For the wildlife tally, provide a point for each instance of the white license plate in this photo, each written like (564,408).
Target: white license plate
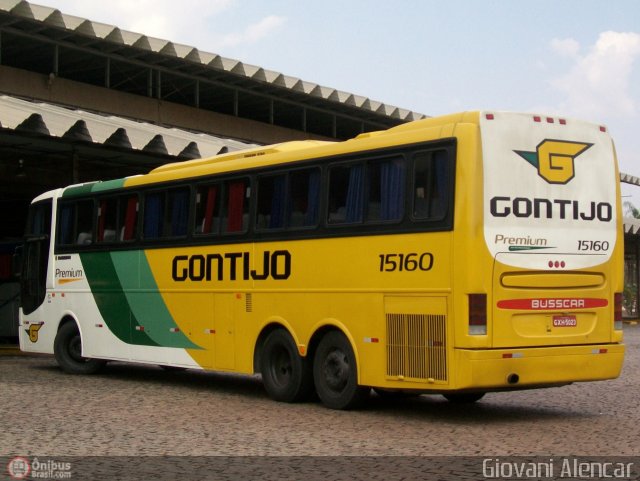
(565,321)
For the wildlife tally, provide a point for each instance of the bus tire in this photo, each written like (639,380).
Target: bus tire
(464,397)
(67,348)
(167,368)
(286,375)
(335,373)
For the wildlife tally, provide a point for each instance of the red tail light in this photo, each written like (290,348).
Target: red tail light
(477,314)
(617,311)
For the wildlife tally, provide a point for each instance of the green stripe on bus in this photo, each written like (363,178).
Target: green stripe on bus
(111,300)
(108,185)
(78,190)
(93,187)
(146,303)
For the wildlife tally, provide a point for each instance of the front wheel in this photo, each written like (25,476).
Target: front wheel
(335,373)
(67,348)
(286,375)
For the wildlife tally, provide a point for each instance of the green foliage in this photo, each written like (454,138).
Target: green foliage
(631,210)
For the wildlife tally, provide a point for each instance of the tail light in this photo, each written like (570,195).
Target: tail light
(617,311)
(477,314)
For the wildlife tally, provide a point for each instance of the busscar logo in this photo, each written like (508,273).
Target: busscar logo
(554,159)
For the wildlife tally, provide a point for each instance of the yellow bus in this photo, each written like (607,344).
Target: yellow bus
(458,255)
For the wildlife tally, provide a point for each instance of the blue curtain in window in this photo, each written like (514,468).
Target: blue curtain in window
(66,225)
(38,222)
(313,198)
(278,201)
(355,194)
(439,185)
(392,190)
(179,211)
(153,216)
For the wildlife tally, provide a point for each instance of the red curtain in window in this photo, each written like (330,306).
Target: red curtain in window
(101,220)
(209,209)
(236,206)
(130,219)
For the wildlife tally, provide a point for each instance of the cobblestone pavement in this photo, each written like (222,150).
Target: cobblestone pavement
(132,410)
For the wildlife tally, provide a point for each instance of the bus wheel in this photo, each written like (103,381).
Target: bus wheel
(285,374)
(464,397)
(335,373)
(67,348)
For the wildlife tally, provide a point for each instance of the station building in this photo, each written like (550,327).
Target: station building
(81,101)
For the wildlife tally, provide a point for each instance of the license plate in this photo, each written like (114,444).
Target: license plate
(565,321)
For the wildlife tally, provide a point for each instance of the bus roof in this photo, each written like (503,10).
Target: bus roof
(294,151)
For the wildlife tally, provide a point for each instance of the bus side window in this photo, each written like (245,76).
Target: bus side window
(153,219)
(207,217)
(66,224)
(386,186)
(272,201)
(237,206)
(177,212)
(430,190)
(107,220)
(346,194)
(84,223)
(39,223)
(128,217)
(304,186)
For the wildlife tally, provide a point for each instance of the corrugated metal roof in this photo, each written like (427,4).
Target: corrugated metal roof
(53,120)
(111,33)
(629,179)
(631,226)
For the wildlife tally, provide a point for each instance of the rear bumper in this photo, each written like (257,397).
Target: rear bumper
(531,367)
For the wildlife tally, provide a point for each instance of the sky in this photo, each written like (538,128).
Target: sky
(575,58)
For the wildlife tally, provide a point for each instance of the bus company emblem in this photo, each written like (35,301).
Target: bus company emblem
(33,331)
(554,159)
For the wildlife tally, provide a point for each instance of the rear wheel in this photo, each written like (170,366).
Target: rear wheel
(67,348)
(335,373)
(286,375)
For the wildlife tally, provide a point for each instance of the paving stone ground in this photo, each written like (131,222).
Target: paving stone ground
(132,410)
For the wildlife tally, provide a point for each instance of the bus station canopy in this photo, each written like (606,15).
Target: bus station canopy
(44,119)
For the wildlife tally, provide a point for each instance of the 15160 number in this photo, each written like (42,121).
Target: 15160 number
(406,262)
(594,246)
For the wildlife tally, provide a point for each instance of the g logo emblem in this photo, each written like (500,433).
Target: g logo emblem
(554,159)
(33,332)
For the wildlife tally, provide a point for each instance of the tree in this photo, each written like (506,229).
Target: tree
(631,210)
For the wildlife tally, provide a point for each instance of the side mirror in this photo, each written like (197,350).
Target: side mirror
(16,262)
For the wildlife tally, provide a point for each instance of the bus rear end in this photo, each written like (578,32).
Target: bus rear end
(552,225)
